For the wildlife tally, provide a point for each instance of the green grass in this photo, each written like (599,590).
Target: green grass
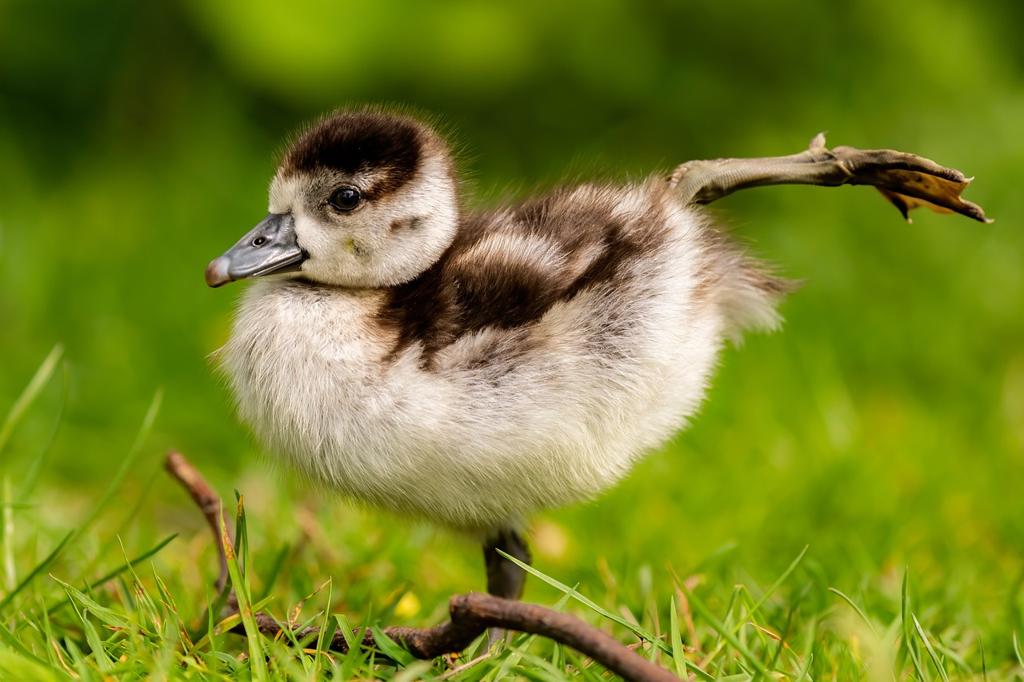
(83,606)
(848,503)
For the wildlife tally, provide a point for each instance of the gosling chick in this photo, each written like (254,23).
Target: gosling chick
(474,367)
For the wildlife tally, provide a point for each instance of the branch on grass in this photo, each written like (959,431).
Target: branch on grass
(207,500)
(471,614)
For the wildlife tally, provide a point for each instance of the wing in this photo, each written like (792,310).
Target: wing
(507,268)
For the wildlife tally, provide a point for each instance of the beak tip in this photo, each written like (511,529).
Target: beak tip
(217,272)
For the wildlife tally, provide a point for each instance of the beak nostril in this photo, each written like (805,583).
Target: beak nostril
(270,247)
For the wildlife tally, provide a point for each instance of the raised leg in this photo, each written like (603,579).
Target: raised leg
(504,578)
(906,180)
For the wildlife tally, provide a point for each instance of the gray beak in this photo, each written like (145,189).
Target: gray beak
(268,248)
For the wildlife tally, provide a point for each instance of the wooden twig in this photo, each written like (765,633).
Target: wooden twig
(209,504)
(471,615)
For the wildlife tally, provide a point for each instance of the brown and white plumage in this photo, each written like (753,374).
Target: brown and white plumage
(472,368)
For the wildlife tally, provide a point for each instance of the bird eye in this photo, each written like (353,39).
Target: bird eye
(345,198)
(259,241)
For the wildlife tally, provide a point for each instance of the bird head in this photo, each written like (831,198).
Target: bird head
(361,199)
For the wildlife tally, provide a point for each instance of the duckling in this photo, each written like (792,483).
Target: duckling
(472,368)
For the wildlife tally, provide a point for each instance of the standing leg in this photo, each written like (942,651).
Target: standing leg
(504,578)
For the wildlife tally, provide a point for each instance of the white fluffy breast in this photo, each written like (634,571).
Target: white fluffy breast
(563,409)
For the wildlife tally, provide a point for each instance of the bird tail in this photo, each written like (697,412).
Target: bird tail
(745,289)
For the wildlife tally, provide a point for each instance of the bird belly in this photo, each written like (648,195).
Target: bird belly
(558,414)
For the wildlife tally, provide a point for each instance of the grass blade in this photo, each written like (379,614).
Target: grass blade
(784,636)
(565,589)
(7,536)
(781,579)
(678,653)
(31,392)
(856,608)
(13,642)
(908,635)
(275,569)
(356,652)
(931,650)
(131,563)
(104,614)
(127,463)
(40,568)
(389,647)
(252,631)
(35,469)
(725,632)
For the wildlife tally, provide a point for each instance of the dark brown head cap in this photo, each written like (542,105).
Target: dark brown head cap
(391,146)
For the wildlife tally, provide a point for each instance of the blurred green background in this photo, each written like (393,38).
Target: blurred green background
(884,426)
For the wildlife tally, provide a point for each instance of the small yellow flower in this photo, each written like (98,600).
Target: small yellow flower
(550,539)
(408,606)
